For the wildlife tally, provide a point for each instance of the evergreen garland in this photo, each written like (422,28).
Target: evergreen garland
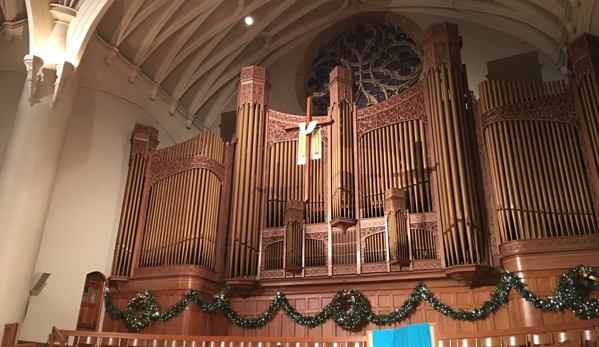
(350,309)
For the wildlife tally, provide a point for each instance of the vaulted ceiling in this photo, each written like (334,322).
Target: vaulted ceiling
(194,49)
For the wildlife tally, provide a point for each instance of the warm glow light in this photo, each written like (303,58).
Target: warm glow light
(52,54)
(248,20)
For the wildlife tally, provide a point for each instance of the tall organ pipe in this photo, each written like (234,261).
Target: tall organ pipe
(244,225)
(343,161)
(143,146)
(343,142)
(541,188)
(448,98)
(402,144)
(182,212)
(583,54)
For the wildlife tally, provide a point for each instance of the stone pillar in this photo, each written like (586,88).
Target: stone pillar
(27,176)
(28,170)
(245,216)
(451,119)
(583,54)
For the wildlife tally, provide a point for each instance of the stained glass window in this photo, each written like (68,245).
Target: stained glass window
(384,59)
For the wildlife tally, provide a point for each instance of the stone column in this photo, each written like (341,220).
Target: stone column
(27,176)
(28,170)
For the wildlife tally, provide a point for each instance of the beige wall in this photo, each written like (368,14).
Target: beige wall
(481,44)
(12,77)
(84,213)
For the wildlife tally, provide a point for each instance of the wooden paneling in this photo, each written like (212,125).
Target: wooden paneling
(387,297)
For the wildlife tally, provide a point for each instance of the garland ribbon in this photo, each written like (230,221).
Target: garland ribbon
(350,309)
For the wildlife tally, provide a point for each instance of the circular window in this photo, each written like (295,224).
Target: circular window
(384,58)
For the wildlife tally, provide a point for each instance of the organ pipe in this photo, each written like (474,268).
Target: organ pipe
(244,224)
(344,247)
(343,184)
(343,142)
(143,146)
(286,182)
(583,54)
(294,240)
(453,139)
(537,168)
(395,157)
(422,244)
(375,248)
(315,253)
(294,236)
(397,226)
(182,214)
(273,258)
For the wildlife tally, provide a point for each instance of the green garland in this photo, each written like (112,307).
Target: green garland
(350,309)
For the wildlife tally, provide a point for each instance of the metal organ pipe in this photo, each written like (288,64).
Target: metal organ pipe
(400,144)
(343,169)
(541,188)
(244,225)
(584,59)
(448,98)
(286,182)
(143,147)
(182,215)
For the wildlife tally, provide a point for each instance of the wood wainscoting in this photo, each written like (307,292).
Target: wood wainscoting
(168,290)
(385,296)
(310,296)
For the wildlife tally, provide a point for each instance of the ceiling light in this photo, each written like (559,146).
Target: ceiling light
(248,20)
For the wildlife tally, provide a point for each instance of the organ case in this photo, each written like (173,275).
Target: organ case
(430,180)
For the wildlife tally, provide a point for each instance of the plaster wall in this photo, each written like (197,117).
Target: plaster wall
(83,218)
(481,45)
(12,78)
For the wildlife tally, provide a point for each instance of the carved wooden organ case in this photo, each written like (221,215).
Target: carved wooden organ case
(431,179)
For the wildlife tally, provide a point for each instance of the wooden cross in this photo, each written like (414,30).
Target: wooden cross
(308,144)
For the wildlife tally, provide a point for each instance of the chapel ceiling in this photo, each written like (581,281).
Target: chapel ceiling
(195,49)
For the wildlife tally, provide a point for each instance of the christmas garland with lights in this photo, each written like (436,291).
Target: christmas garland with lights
(350,309)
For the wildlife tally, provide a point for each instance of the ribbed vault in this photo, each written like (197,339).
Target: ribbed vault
(195,49)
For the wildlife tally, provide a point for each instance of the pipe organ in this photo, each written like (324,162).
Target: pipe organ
(543,190)
(143,146)
(397,227)
(343,170)
(451,117)
(174,234)
(431,179)
(387,165)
